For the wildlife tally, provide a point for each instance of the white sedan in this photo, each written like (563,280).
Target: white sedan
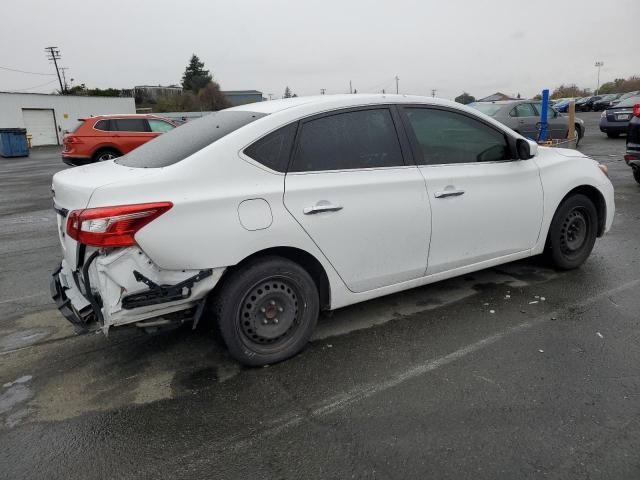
(262,215)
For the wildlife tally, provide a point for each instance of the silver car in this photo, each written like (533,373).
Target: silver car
(523,116)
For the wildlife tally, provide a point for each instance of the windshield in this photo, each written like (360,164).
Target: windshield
(176,145)
(487,108)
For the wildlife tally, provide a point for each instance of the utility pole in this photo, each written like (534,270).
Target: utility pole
(322,91)
(54,54)
(598,65)
(397,80)
(350,87)
(64,79)
(433,92)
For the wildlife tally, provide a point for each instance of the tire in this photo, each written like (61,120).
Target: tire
(248,305)
(106,154)
(580,134)
(572,233)
(636,174)
(613,134)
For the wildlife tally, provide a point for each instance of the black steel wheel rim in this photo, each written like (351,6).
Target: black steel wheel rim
(269,315)
(575,232)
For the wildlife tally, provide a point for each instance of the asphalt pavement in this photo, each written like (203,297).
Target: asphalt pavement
(513,372)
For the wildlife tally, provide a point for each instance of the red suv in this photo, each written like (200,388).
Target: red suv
(105,137)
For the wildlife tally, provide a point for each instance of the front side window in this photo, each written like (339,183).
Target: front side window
(274,149)
(130,125)
(445,137)
(347,141)
(160,126)
(523,110)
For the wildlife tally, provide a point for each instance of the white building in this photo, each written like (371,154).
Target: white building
(47,117)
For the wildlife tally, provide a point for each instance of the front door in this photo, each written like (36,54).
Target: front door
(484,205)
(352,192)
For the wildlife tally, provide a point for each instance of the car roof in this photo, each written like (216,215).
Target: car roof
(338,101)
(124,115)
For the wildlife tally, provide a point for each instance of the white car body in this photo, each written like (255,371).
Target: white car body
(393,232)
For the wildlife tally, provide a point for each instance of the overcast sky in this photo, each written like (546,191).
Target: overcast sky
(448,45)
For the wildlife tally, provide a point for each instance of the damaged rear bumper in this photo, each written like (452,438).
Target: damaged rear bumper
(124,287)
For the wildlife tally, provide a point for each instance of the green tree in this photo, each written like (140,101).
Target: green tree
(465,98)
(564,91)
(211,98)
(195,76)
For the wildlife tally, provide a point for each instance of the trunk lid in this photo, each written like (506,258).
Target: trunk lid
(72,190)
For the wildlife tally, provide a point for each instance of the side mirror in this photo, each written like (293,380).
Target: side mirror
(526,149)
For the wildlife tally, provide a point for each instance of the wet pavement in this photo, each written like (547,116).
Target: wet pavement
(513,372)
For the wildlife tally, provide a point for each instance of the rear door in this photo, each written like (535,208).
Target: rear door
(483,204)
(527,120)
(351,189)
(130,133)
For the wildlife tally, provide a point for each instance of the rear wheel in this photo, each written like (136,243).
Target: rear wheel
(105,154)
(613,134)
(573,232)
(636,174)
(267,311)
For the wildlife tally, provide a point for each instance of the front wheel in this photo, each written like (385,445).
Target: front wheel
(267,311)
(573,232)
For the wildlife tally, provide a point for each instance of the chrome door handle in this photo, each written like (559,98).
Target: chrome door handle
(322,206)
(449,193)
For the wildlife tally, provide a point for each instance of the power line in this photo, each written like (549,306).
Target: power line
(24,71)
(36,86)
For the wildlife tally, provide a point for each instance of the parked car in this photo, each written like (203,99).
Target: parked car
(563,106)
(625,96)
(605,101)
(586,104)
(105,137)
(273,211)
(632,157)
(523,116)
(615,120)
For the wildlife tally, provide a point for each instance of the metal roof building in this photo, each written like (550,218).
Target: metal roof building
(46,117)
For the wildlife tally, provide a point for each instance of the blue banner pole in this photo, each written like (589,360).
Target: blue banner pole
(543,116)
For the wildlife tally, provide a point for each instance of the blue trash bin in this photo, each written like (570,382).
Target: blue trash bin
(13,142)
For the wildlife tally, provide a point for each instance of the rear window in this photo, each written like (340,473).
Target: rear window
(176,145)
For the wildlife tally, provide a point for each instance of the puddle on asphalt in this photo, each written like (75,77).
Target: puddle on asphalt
(12,395)
(24,338)
(422,299)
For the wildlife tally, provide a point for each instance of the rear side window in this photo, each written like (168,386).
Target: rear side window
(350,140)
(445,137)
(523,110)
(103,125)
(180,143)
(130,124)
(273,150)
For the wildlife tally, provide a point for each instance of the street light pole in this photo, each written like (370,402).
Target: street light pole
(598,65)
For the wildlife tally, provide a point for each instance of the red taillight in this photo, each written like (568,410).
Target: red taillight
(636,109)
(71,139)
(113,226)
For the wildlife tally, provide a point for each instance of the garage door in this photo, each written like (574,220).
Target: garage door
(40,124)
